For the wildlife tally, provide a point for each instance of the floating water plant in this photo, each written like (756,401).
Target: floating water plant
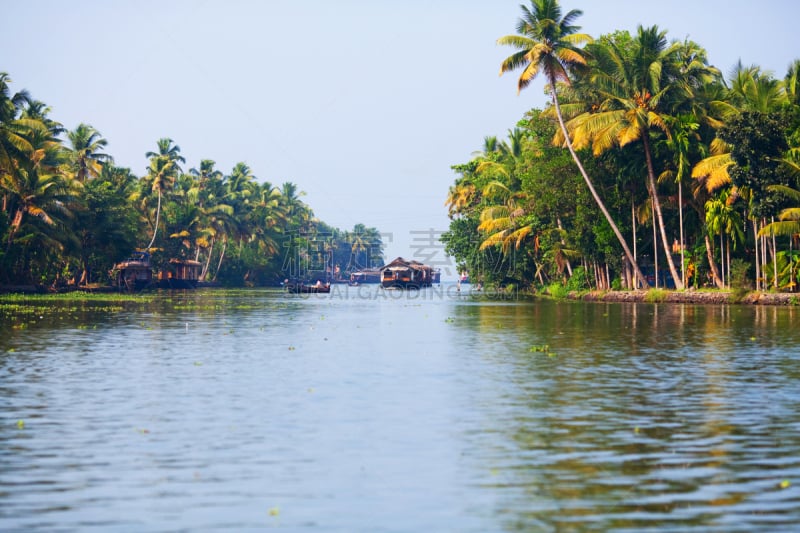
(542,348)
(20,424)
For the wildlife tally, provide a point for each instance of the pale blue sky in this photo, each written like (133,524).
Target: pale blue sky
(364,105)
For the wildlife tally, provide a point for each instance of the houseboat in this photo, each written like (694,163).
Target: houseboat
(180,274)
(402,274)
(133,274)
(372,275)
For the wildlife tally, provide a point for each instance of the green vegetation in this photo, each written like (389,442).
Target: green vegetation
(68,214)
(647,159)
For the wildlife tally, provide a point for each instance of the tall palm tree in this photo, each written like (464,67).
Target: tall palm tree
(161,173)
(547,42)
(643,85)
(86,158)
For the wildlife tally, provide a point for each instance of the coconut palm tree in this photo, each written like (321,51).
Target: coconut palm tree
(14,142)
(548,42)
(36,190)
(161,173)
(86,158)
(643,83)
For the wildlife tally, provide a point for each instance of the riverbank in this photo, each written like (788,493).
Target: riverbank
(690,297)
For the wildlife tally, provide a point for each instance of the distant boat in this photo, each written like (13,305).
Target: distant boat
(180,274)
(133,274)
(300,288)
(370,275)
(402,274)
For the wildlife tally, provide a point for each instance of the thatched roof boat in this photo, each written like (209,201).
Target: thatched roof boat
(403,274)
(133,274)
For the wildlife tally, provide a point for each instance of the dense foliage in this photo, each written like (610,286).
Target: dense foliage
(68,214)
(649,167)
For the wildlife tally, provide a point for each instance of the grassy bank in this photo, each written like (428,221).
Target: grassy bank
(690,297)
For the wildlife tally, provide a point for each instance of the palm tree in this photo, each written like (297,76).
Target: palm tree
(205,177)
(13,129)
(643,84)
(86,158)
(36,189)
(683,134)
(161,173)
(547,42)
(724,220)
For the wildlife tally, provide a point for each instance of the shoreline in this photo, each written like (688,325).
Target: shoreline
(691,297)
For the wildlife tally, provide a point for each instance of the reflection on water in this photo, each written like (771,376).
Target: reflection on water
(381,411)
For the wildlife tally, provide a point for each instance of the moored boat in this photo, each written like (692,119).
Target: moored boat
(402,274)
(372,275)
(300,288)
(180,274)
(133,274)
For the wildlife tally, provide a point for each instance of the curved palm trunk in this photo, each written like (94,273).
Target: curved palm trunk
(657,206)
(637,272)
(204,273)
(15,224)
(221,257)
(155,229)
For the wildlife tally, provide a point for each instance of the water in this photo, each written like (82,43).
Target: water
(366,410)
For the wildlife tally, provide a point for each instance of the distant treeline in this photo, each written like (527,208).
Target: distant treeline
(68,214)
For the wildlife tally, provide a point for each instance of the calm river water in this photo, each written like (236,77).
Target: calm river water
(366,410)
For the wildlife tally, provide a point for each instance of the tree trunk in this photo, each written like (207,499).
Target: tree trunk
(15,224)
(722,259)
(569,265)
(221,257)
(657,206)
(774,258)
(155,228)
(758,259)
(712,264)
(680,218)
(204,273)
(589,184)
(655,248)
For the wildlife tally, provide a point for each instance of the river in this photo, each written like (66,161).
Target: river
(372,410)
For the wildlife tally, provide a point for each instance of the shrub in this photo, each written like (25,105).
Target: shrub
(557,290)
(654,296)
(578,281)
(740,278)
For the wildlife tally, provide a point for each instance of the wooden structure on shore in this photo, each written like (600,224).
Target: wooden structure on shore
(180,274)
(402,274)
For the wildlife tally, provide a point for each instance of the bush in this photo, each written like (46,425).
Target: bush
(578,281)
(557,290)
(655,296)
(740,278)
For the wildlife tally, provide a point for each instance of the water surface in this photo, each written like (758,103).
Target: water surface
(366,410)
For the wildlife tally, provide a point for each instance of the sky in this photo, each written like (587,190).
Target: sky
(365,105)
